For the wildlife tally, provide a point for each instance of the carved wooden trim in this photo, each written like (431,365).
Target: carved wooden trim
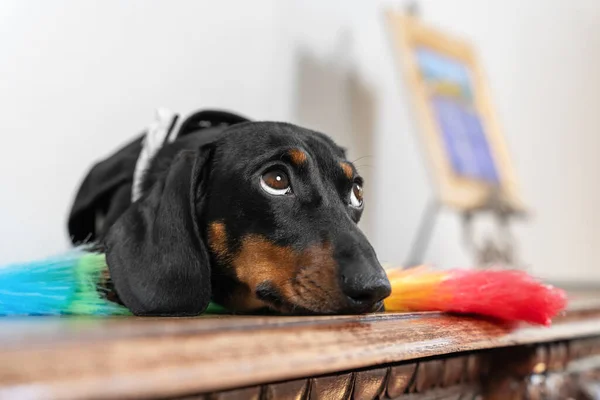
(547,371)
(331,387)
(252,393)
(370,384)
(400,378)
(456,371)
(450,377)
(293,390)
(543,371)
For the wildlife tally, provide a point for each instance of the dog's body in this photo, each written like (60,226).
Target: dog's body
(251,215)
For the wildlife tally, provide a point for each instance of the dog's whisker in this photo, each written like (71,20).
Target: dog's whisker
(360,158)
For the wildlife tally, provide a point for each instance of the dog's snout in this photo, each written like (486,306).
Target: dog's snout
(363,281)
(364,292)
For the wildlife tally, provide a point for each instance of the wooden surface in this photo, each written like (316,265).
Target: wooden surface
(550,371)
(136,357)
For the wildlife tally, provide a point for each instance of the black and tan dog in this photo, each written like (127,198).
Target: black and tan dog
(251,215)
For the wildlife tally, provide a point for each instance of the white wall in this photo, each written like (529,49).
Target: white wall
(78,78)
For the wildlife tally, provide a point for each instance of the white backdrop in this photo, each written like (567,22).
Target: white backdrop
(79,78)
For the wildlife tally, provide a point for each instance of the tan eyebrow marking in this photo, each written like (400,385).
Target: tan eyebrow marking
(347,168)
(297,156)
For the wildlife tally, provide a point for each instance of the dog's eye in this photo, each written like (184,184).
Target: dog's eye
(275,182)
(356,196)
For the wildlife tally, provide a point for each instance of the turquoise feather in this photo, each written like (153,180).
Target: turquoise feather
(62,285)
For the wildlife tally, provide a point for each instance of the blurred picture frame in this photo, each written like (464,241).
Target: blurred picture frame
(454,115)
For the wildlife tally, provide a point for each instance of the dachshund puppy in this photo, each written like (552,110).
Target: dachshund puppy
(262,215)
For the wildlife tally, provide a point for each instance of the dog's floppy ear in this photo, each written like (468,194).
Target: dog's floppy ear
(155,252)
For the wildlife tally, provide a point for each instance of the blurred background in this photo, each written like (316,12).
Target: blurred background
(80,78)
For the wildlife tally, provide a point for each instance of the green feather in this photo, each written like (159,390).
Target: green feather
(88,298)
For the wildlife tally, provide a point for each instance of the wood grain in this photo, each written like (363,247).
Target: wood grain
(252,393)
(137,357)
(429,374)
(291,390)
(455,369)
(369,384)
(331,387)
(514,375)
(400,378)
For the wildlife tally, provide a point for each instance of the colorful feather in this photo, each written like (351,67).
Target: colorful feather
(503,294)
(63,285)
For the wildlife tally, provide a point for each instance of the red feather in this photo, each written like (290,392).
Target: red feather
(507,295)
(503,294)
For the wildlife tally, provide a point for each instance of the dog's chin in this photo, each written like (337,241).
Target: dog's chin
(283,307)
(279,304)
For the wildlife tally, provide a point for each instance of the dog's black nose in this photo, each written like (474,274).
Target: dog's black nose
(364,292)
(363,281)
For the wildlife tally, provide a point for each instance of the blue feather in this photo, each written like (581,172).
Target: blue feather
(65,284)
(43,287)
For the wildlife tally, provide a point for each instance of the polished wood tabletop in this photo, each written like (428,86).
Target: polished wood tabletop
(129,357)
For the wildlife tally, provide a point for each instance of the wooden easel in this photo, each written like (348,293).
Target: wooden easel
(469,196)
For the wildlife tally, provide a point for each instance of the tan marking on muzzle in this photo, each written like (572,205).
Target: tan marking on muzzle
(305,278)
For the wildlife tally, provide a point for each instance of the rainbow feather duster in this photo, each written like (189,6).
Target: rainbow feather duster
(76,284)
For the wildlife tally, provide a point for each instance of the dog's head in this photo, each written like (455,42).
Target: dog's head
(265,216)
